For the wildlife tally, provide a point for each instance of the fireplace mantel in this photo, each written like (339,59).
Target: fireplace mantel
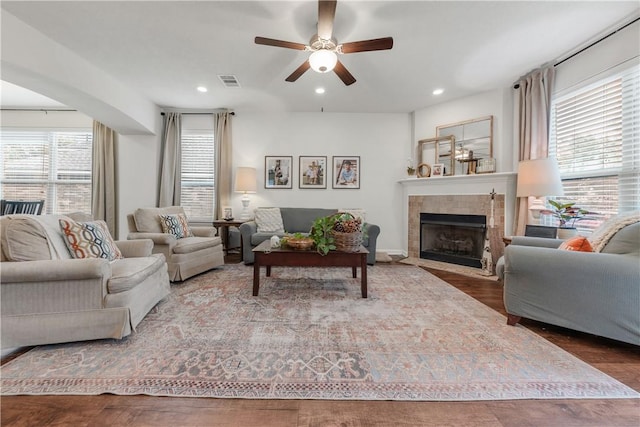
(497,177)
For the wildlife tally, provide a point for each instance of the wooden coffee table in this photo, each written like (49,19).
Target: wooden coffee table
(286,257)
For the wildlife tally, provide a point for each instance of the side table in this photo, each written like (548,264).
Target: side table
(224,225)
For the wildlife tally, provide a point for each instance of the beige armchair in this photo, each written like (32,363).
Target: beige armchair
(186,256)
(50,297)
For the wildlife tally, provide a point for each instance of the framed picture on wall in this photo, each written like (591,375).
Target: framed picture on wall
(346,172)
(277,171)
(313,172)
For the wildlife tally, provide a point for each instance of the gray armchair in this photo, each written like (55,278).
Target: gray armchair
(593,292)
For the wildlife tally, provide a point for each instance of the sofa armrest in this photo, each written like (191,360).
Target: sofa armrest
(54,270)
(540,242)
(247,229)
(53,286)
(200,231)
(371,231)
(135,248)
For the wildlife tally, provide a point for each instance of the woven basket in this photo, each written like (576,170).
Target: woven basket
(347,242)
(300,244)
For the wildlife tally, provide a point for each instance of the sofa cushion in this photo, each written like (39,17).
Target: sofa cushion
(193,244)
(269,220)
(356,212)
(300,220)
(33,238)
(147,220)
(577,243)
(127,273)
(175,224)
(625,242)
(89,239)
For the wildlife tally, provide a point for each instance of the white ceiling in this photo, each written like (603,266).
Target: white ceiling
(165,49)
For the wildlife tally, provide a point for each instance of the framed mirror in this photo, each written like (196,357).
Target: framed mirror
(473,141)
(437,150)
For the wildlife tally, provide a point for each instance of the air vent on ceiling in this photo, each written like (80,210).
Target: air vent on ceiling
(229,80)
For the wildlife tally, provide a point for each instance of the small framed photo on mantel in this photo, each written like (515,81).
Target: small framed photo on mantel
(313,172)
(346,172)
(277,171)
(437,170)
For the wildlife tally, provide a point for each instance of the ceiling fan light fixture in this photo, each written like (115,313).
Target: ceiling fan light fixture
(323,60)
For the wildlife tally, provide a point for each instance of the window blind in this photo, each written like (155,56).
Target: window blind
(50,165)
(198,175)
(594,135)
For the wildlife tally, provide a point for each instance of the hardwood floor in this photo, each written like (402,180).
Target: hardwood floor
(619,360)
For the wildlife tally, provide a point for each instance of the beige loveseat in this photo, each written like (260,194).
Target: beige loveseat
(185,256)
(49,297)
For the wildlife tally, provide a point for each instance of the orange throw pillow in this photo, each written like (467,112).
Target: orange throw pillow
(578,243)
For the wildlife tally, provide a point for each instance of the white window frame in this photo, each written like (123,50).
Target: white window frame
(49,138)
(624,169)
(200,175)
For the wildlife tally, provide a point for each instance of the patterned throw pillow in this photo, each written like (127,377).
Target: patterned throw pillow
(175,224)
(269,220)
(89,240)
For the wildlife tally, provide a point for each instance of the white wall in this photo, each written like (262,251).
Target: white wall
(381,141)
(497,103)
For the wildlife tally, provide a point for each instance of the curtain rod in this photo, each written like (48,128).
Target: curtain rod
(517,85)
(46,110)
(163,113)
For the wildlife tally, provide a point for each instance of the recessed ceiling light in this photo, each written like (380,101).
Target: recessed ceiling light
(319,90)
(438,91)
(201,89)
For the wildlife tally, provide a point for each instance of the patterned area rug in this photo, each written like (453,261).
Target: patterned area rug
(309,335)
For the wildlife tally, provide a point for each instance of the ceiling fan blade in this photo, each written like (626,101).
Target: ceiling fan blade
(279,43)
(344,74)
(326,15)
(368,45)
(298,72)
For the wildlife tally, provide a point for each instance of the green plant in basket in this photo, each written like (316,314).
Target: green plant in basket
(321,234)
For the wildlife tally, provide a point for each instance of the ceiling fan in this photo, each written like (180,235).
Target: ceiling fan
(325,49)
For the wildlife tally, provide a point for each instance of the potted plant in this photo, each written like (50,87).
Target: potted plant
(321,234)
(567,215)
(410,169)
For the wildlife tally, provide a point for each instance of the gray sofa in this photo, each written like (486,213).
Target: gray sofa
(300,220)
(49,297)
(186,256)
(593,292)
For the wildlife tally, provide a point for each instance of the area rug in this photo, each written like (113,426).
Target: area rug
(310,335)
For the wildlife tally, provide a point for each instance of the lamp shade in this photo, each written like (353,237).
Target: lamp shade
(539,178)
(323,60)
(246,180)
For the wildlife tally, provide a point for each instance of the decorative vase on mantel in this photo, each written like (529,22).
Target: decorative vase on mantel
(565,233)
(411,171)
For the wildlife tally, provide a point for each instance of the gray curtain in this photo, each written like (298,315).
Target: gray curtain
(534,109)
(103,176)
(223,172)
(170,166)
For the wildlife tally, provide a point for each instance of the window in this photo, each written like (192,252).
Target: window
(50,165)
(595,137)
(197,175)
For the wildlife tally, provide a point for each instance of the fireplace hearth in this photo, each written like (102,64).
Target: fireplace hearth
(453,238)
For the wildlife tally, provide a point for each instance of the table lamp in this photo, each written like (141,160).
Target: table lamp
(245,183)
(539,178)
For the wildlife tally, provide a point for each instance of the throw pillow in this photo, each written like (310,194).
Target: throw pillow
(89,239)
(176,224)
(577,243)
(269,220)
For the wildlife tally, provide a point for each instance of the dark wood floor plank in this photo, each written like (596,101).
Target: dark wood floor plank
(619,360)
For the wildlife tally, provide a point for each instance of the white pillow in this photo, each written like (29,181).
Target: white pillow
(269,220)
(356,212)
